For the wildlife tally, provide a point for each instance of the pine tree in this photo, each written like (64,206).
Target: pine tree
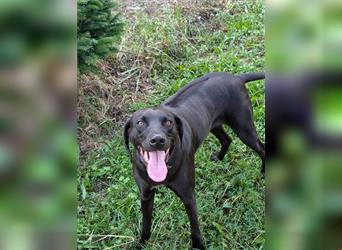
(98,30)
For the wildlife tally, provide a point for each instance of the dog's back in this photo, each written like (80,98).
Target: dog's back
(208,101)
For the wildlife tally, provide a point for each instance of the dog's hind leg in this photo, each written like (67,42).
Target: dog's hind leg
(244,128)
(224,140)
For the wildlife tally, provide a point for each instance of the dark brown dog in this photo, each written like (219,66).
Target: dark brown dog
(166,138)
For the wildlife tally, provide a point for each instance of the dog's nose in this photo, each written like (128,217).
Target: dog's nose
(157,140)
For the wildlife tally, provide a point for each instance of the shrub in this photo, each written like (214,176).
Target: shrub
(98,30)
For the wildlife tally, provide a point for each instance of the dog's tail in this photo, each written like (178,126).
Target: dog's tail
(248,77)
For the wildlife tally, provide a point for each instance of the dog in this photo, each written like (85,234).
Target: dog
(166,138)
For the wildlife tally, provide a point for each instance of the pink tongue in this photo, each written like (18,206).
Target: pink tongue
(156,166)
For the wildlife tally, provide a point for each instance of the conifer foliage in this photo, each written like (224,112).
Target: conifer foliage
(98,30)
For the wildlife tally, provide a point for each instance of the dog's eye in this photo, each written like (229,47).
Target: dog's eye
(140,123)
(168,123)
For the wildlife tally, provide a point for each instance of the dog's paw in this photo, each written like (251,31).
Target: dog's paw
(199,247)
(216,157)
(138,246)
(197,243)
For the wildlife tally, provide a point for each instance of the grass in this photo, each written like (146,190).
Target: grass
(168,50)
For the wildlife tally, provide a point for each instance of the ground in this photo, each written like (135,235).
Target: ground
(165,45)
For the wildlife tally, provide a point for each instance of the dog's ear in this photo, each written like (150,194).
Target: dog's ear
(179,126)
(184,133)
(127,129)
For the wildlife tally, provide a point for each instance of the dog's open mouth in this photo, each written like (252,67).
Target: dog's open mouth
(156,163)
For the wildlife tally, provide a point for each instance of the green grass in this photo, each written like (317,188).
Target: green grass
(230,194)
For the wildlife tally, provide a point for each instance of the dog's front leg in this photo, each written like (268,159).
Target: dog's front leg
(191,210)
(187,195)
(147,200)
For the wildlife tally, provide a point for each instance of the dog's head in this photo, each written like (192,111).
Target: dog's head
(154,133)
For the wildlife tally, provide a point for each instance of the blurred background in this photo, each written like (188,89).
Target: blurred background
(38,148)
(304,124)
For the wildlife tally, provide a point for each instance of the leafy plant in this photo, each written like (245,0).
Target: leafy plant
(98,30)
